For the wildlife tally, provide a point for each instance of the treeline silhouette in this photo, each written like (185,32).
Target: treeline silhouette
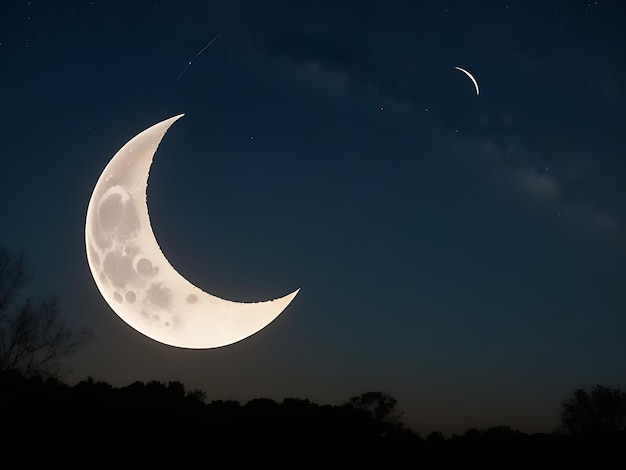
(44,420)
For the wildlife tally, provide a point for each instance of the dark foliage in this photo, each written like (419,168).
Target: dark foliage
(603,411)
(154,423)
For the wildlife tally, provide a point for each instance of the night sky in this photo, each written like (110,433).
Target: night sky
(465,254)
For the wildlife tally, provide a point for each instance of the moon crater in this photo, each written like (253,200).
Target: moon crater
(145,268)
(118,268)
(159,295)
(117,216)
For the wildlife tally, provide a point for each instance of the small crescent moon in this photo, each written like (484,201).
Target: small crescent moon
(471,77)
(134,276)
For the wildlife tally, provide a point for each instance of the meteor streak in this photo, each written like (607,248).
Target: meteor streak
(196,56)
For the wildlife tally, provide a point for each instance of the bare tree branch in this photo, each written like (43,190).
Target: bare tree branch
(34,339)
(13,277)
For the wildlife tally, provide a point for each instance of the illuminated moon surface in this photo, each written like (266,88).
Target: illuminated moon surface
(471,78)
(135,278)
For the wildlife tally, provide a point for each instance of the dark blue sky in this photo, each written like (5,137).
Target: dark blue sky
(463,253)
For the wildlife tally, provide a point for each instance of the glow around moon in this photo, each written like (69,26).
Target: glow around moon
(471,78)
(136,279)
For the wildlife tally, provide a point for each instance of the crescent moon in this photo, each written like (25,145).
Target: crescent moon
(134,276)
(471,77)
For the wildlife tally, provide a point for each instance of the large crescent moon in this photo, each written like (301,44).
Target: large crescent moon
(471,77)
(136,279)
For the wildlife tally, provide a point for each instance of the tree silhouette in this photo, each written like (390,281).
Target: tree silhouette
(197,395)
(159,423)
(436,439)
(599,412)
(379,405)
(33,337)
